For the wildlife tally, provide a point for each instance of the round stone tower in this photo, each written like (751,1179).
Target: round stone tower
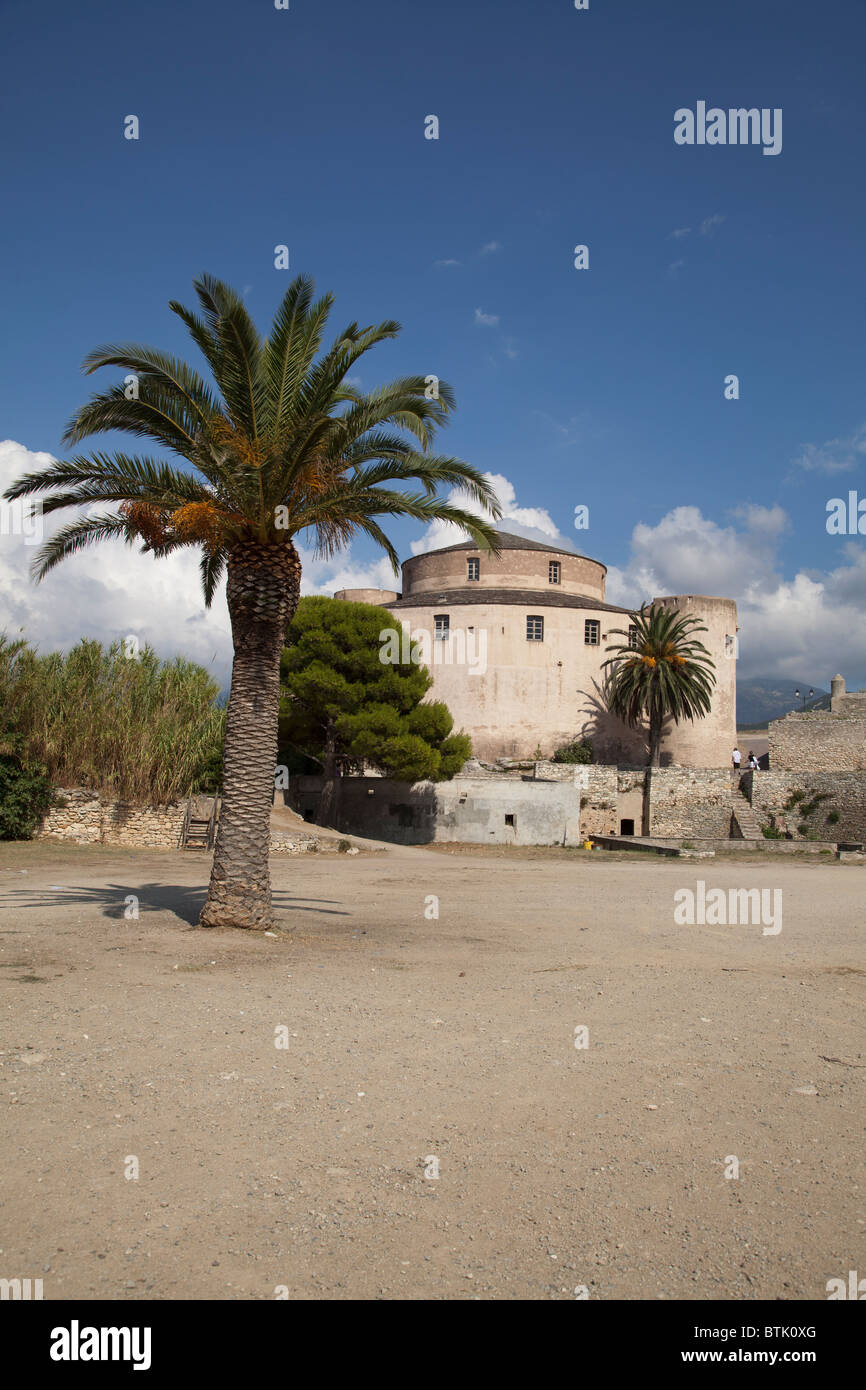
(837,692)
(516,644)
(708,742)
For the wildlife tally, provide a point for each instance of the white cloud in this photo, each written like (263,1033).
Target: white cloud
(679,232)
(326,576)
(806,627)
(491,320)
(675,266)
(533,522)
(447,263)
(834,456)
(709,224)
(490,246)
(107,592)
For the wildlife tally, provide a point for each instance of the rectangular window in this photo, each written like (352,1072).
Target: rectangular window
(473,569)
(632,637)
(534,629)
(553,572)
(592,632)
(442,624)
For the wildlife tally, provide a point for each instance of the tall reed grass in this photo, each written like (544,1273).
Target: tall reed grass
(137,729)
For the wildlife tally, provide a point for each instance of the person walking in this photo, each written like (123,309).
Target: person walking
(753,764)
(737,758)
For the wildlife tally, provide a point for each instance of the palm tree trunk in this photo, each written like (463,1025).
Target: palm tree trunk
(654,760)
(262,590)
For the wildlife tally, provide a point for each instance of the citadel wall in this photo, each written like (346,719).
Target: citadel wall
(822,740)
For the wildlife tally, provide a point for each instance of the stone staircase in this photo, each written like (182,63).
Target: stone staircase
(744,819)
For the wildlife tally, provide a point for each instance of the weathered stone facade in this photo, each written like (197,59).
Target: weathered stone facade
(818,741)
(468,810)
(560,804)
(843,795)
(691,802)
(832,740)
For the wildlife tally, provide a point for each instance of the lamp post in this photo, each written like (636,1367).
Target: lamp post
(798,696)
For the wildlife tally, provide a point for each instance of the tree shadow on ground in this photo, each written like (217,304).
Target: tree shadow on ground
(120,901)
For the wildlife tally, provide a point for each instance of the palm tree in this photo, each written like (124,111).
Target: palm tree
(661,673)
(285,445)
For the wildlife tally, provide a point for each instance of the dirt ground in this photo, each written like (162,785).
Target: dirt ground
(419,1045)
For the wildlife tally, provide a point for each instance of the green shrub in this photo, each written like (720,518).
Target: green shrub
(578,751)
(25,795)
(770,832)
(832,817)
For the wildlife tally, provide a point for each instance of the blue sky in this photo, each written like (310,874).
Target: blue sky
(603,386)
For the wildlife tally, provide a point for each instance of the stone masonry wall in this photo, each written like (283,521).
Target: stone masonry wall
(691,802)
(87,820)
(819,741)
(845,794)
(596,786)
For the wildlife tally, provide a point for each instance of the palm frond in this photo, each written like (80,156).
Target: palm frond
(169,372)
(211,566)
(289,352)
(78,535)
(240,362)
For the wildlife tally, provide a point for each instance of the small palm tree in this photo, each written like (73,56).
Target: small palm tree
(661,673)
(286,445)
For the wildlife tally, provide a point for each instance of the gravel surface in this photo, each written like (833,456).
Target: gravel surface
(417,1045)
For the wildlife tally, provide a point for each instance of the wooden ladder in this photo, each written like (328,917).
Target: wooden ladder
(199,832)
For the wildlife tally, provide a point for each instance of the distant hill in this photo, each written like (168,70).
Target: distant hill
(766,697)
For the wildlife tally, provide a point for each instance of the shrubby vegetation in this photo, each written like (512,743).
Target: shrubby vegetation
(25,795)
(578,751)
(137,729)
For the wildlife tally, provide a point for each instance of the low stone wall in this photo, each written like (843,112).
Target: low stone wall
(561,804)
(819,741)
(691,801)
(842,793)
(87,820)
(77,818)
